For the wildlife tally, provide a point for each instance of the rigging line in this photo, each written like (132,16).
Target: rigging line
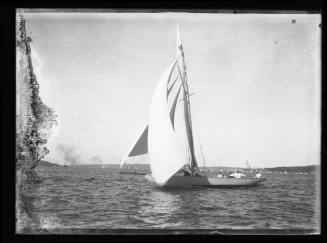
(171,71)
(180,75)
(188,96)
(171,87)
(188,153)
(187,147)
(204,161)
(188,108)
(169,80)
(186,85)
(198,138)
(188,111)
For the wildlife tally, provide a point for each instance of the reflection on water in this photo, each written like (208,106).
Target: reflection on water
(157,207)
(90,197)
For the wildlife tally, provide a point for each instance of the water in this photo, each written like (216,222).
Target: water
(92,197)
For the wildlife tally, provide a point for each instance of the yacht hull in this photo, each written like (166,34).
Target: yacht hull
(203,181)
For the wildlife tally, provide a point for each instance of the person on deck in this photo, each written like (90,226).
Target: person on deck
(257,174)
(187,171)
(237,174)
(196,172)
(220,174)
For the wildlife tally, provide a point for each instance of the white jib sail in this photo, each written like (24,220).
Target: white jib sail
(139,147)
(165,156)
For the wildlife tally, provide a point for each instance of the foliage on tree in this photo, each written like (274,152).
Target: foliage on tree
(34,118)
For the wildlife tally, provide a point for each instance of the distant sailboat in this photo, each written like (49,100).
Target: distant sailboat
(249,166)
(170,165)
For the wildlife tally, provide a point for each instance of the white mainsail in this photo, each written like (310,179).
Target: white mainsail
(158,138)
(140,145)
(165,155)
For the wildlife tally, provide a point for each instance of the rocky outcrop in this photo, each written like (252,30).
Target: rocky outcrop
(34,121)
(33,118)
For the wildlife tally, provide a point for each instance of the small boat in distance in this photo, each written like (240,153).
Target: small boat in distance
(172,166)
(132,172)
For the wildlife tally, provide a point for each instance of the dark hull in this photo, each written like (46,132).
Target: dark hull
(203,181)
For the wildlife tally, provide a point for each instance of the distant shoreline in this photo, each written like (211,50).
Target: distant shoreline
(47,163)
(288,169)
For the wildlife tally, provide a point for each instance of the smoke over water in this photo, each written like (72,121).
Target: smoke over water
(96,159)
(69,154)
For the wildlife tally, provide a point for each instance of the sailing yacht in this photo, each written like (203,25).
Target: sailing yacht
(171,165)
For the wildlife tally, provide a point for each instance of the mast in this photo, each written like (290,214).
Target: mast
(186,100)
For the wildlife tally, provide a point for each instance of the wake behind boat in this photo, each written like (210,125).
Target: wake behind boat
(171,165)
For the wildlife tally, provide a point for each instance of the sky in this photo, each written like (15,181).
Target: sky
(255,78)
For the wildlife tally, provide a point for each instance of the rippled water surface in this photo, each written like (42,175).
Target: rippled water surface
(90,196)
